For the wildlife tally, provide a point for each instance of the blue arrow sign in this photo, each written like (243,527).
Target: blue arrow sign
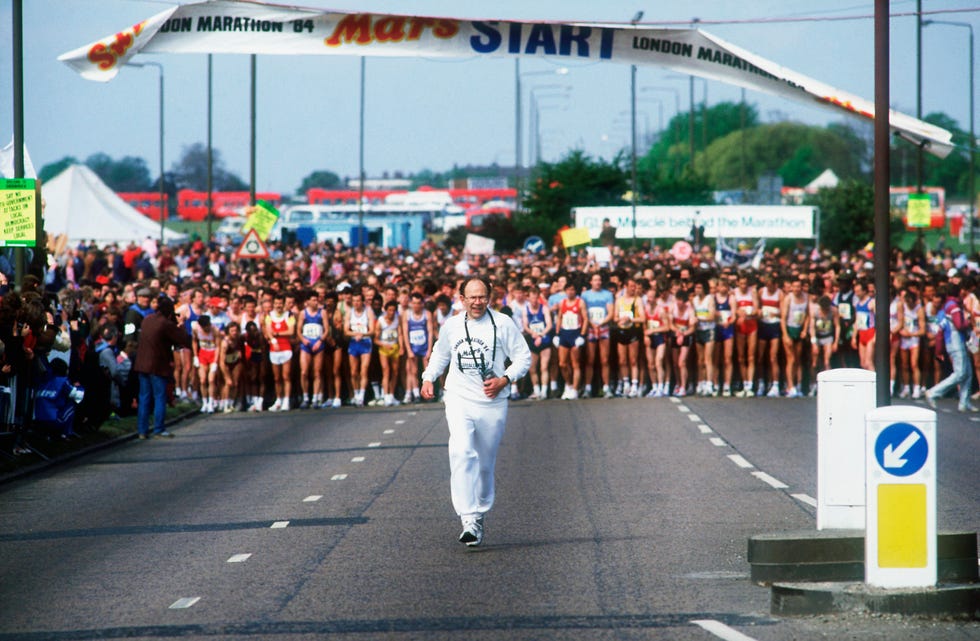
(534,244)
(901,449)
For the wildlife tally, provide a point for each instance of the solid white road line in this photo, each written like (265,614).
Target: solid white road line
(774,482)
(238,558)
(357,459)
(186,602)
(721,630)
(338,477)
(704,429)
(715,440)
(313,498)
(740,461)
(375,444)
(278,525)
(805,498)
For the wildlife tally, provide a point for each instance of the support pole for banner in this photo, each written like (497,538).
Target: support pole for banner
(518,161)
(18,95)
(690,121)
(360,165)
(251,151)
(633,147)
(882,170)
(210,156)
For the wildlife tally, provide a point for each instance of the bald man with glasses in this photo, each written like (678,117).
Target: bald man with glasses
(474,346)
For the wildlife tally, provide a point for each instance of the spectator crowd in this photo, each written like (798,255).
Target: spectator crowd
(328,325)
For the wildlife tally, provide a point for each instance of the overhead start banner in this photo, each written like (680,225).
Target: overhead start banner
(725,221)
(239,26)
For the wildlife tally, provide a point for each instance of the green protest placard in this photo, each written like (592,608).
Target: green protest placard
(262,219)
(18,209)
(919,211)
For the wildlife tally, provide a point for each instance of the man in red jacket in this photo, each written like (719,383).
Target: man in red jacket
(159,334)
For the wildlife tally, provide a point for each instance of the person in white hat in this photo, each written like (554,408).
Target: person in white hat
(474,346)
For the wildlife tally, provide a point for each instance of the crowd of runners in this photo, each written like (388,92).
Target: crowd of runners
(329,325)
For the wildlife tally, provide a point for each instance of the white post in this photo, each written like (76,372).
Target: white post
(844,396)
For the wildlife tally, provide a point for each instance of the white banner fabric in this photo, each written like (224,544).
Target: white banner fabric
(728,221)
(240,26)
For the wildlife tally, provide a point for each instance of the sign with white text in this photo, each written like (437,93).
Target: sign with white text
(726,221)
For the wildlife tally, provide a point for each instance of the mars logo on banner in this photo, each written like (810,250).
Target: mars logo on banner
(252,246)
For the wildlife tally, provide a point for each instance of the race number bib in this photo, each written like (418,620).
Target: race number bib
(569,320)
(389,335)
(863,320)
(597,314)
(770,313)
(845,311)
(312,331)
(416,337)
(536,327)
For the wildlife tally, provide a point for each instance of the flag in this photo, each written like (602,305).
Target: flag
(575,236)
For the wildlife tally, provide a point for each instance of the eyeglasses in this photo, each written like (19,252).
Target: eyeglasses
(478,299)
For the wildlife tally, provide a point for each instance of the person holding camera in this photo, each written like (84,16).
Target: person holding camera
(474,346)
(159,334)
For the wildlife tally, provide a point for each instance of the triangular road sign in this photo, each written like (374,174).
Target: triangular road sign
(252,246)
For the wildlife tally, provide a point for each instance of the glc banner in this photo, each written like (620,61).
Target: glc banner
(240,26)
(729,221)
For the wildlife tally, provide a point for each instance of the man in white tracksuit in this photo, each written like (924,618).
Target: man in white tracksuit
(474,345)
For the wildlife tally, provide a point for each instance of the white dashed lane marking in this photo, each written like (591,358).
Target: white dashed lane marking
(357,459)
(238,558)
(338,477)
(694,418)
(389,431)
(771,480)
(740,461)
(805,498)
(278,525)
(400,421)
(375,444)
(704,429)
(717,441)
(186,602)
(721,630)
(313,498)
(684,409)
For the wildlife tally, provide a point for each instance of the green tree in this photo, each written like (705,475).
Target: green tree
(51,170)
(191,171)
(847,215)
(321,178)
(575,181)
(126,174)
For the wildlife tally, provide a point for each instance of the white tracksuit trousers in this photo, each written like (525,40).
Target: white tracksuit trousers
(475,430)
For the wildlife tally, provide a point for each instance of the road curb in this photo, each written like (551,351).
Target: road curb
(960,601)
(838,555)
(85,451)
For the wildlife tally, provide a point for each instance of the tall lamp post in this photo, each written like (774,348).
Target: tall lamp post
(163,205)
(518,117)
(534,129)
(973,140)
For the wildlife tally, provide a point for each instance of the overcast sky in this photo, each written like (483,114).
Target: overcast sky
(434,114)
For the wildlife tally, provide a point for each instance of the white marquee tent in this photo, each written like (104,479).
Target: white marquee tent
(81,206)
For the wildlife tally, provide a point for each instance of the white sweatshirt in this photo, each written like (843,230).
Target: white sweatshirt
(465,358)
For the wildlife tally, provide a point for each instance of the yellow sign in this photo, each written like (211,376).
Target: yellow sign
(262,218)
(919,210)
(18,212)
(575,236)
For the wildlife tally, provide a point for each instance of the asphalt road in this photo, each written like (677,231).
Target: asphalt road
(615,519)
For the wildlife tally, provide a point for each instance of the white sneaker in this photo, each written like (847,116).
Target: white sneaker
(277,406)
(256,405)
(726,391)
(472,534)
(773,391)
(905,393)
(336,403)
(917,392)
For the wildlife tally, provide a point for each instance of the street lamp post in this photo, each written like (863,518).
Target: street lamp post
(548,91)
(973,140)
(163,215)
(518,125)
